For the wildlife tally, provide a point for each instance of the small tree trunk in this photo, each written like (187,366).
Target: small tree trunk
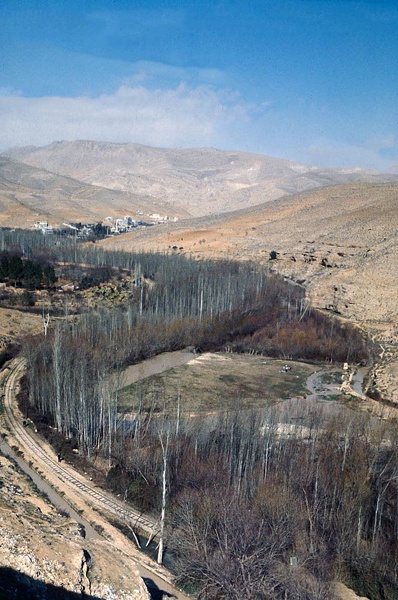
(165,447)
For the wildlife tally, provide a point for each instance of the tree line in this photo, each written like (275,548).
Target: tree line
(25,272)
(208,306)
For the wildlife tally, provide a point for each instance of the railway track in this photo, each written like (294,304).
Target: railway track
(157,579)
(98,498)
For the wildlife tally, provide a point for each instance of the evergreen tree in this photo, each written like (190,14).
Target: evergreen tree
(4,267)
(15,268)
(32,274)
(49,276)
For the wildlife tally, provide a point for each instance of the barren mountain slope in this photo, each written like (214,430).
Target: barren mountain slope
(200,181)
(341,242)
(29,194)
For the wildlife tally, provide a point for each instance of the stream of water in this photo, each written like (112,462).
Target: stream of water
(58,501)
(154,366)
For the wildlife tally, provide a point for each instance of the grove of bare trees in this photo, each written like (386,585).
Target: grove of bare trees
(263,504)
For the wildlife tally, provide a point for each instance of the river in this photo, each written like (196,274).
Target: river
(153,366)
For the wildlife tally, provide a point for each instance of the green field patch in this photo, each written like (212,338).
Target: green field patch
(218,381)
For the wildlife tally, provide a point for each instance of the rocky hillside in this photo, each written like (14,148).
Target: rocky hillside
(198,181)
(340,241)
(29,194)
(44,555)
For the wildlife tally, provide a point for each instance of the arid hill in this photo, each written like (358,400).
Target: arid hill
(44,554)
(338,239)
(340,242)
(29,194)
(324,238)
(197,181)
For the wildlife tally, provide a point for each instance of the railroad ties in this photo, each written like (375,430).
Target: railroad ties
(100,499)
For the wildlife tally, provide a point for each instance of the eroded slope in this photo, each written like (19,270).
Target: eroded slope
(199,181)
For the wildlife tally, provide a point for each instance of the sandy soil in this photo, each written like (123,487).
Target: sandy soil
(214,381)
(344,593)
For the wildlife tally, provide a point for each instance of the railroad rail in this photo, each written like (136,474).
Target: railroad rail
(100,499)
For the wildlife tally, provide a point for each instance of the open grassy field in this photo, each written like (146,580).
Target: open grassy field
(219,381)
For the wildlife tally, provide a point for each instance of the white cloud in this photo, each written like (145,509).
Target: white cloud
(183,116)
(371,154)
(155,71)
(10,91)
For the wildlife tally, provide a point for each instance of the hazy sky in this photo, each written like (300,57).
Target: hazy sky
(315,81)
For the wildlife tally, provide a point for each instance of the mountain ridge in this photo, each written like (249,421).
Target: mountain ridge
(203,181)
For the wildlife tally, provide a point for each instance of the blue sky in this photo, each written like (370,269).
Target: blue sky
(315,81)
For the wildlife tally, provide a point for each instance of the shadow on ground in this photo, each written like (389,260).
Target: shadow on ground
(15,585)
(155,592)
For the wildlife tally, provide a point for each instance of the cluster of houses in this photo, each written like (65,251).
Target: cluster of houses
(127,223)
(45,228)
(111,226)
(121,225)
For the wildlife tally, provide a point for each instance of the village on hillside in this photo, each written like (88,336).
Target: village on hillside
(109,227)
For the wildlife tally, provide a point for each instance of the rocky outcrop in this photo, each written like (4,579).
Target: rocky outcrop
(43,553)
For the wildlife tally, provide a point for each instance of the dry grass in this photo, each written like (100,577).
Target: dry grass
(14,324)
